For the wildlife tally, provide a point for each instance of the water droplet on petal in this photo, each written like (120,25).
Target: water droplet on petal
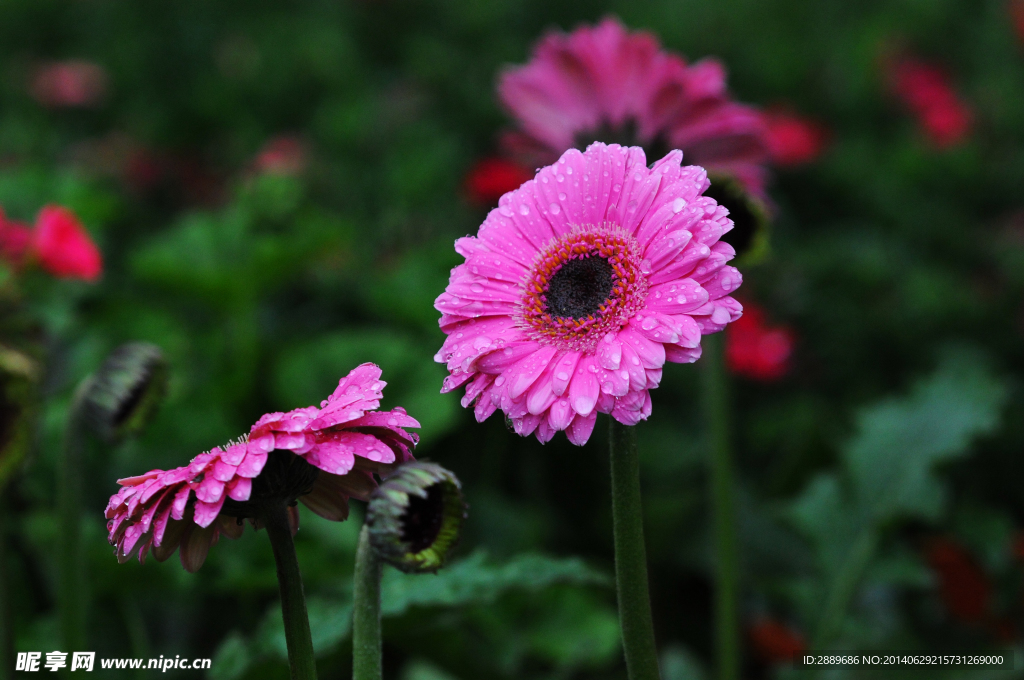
(524,209)
(561,197)
(554,208)
(678,205)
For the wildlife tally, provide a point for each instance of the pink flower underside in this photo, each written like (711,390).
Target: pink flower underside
(544,388)
(164,509)
(604,75)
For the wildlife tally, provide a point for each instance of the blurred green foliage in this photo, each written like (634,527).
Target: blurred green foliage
(263,287)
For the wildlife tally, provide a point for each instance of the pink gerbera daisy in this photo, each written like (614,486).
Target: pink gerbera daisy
(581,285)
(319,456)
(603,83)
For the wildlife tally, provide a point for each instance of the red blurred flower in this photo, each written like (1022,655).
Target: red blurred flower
(284,155)
(491,178)
(963,586)
(792,139)
(1017,17)
(755,350)
(64,247)
(65,84)
(926,90)
(775,642)
(15,240)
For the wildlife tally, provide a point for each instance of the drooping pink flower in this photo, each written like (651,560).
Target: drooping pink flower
(15,240)
(63,246)
(581,285)
(69,84)
(490,178)
(319,456)
(606,84)
(283,155)
(927,92)
(754,349)
(792,139)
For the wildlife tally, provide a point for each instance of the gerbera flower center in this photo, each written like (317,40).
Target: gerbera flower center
(582,286)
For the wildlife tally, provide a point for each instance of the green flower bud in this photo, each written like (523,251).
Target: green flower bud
(415,517)
(750,217)
(124,394)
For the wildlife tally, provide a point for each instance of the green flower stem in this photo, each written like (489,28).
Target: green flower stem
(69,494)
(366,644)
(293,600)
(844,586)
(716,406)
(6,629)
(630,555)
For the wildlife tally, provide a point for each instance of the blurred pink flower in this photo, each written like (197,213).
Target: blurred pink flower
(792,139)
(336,448)
(605,84)
(490,178)
(63,246)
(927,92)
(579,288)
(756,350)
(15,240)
(284,155)
(69,84)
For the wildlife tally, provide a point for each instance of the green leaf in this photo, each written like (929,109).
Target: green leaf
(474,581)
(900,440)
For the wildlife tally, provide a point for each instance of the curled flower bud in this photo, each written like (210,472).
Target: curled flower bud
(415,517)
(125,392)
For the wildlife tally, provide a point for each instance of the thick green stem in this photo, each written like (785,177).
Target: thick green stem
(631,556)
(366,644)
(69,500)
(6,629)
(716,406)
(293,600)
(844,586)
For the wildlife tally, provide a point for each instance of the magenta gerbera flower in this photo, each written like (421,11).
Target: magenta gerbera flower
(319,456)
(605,84)
(581,285)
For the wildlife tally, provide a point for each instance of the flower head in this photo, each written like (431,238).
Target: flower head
(774,642)
(490,178)
(603,83)
(792,139)
(964,587)
(64,247)
(415,517)
(320,457)
(579,288)
(69,84)
(927,91)
(754,349)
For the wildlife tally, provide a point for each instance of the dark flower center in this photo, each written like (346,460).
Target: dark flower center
(741,237)
(626,134)
(283,479)
(579,288)
(421,522)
